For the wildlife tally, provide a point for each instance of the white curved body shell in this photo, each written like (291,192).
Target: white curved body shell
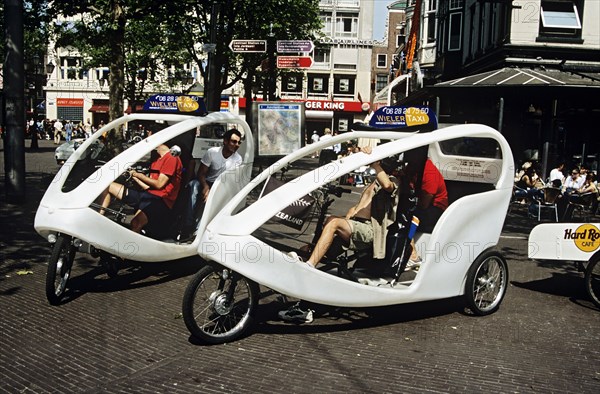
(469,226)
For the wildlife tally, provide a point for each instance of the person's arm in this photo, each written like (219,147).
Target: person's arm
(363,202)
(383,178)
(148,183)
(202,172)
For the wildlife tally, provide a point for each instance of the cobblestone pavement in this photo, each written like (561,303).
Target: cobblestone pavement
(126,334)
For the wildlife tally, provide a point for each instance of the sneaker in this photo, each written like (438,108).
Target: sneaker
(413,264)
(296,315)
(299,259)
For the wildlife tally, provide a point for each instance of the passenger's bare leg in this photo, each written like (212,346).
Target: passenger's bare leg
(115,189)
(139,221)
(335,226)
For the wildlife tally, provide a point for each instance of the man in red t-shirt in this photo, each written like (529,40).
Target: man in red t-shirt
(158,192)
(432,202)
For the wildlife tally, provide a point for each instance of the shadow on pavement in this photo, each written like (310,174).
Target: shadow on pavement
(332,319)
(131,275)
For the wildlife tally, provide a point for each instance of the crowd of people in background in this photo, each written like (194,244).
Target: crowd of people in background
(58,130)
(576,185)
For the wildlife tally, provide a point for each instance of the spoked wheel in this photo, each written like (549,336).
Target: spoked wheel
(592,281)
(219,304)
(486,283)
(59,268)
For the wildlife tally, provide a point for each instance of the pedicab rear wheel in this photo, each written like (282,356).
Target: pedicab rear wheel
(592,281)
(486,284)
(219,304)
(59,268)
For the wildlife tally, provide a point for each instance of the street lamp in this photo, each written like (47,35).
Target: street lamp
(49,68)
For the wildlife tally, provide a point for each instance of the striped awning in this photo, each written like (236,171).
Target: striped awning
(517,76)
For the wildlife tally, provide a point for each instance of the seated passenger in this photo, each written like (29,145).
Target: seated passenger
(215,161)
(158,192)
(432,202)
(366,223)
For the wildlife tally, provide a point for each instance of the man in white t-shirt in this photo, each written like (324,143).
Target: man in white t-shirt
(327,154)
(58,128)
(557,175)
(215,161)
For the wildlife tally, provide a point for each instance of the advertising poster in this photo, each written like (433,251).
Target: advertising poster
(280,128)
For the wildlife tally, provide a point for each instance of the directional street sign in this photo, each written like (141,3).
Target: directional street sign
(294,46)
(248,46)
(294,61)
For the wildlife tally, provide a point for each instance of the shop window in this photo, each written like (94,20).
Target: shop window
(560,20)
(381,60)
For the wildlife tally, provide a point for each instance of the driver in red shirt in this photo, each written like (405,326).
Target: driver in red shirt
(158,192)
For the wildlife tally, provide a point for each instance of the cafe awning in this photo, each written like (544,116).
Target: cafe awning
(521,76)
(99,108)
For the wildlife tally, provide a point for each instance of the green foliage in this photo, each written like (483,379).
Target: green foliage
(35,30)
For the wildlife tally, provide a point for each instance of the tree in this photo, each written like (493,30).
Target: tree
(124,35)
(240,19)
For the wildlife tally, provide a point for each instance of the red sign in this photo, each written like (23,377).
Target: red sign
(324,105)
(69,102)
(294,61)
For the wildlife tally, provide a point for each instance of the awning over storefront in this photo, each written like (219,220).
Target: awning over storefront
(519,76)
(99,108)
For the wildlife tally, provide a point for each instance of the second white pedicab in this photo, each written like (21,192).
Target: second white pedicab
(459,255)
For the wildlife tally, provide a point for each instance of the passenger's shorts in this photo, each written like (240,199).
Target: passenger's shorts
(153,207)
(362,235)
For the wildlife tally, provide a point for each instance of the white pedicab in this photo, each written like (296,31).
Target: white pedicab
(68,215)
(577,242)
(459,258)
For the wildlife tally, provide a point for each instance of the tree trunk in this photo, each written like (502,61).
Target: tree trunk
(116,78)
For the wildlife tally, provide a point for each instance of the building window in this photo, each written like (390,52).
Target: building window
(456,4)
(400,39)
(327,24)
(343,84)
(322,55)
(318,83)
(381,82)
(381,60)
(346,25)
(560,19)
(430,24)
(455,30)
(291,83)
(71,68)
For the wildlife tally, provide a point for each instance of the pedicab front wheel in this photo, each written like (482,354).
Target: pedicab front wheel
(59,268)
(592,281)
(487,280)
(219,304)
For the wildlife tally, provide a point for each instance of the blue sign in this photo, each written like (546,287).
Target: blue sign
(393,117)
(176,103)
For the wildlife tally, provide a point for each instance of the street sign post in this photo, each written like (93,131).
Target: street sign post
(294,46)
(248,46)
(294,61)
